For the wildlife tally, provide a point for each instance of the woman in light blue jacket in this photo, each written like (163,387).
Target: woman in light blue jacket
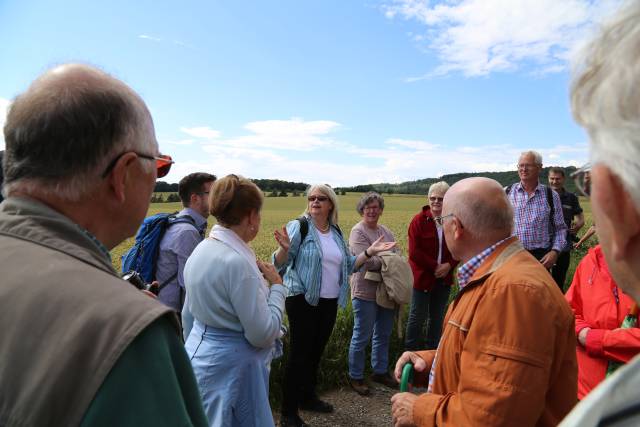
(317,265)
(232,315)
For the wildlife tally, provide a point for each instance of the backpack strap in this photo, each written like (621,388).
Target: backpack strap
(304,227)
(304,230)
(508,188)
(173,220)
(552,227)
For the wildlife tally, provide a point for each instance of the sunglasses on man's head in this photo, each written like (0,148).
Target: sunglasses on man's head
(318,198)
(163,163)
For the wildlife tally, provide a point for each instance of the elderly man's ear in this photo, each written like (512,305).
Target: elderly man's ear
(620,211)
(121,174)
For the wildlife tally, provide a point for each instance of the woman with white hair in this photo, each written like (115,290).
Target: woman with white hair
(432,266)
(317,265)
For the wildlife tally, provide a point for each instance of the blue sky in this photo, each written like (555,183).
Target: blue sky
(342,92)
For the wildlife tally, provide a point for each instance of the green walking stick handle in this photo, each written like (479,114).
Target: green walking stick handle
(407,377)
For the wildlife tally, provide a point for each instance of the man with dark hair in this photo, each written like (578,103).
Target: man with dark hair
(79,345)
(570,209)
(182,238)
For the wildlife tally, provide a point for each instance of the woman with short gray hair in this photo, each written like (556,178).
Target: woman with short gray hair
(432,265)
(371,322)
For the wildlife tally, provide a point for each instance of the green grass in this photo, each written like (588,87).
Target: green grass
(277,211)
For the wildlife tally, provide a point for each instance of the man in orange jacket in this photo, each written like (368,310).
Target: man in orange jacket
(600,307)
(507,354)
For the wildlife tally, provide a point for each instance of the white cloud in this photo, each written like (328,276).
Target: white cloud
(204,132)
(148,37)
(299,150)
(477,37)
(4,107)
(293,134)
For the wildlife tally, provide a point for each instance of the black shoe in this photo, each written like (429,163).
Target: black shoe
(385,379)
(292,421)
(317,405)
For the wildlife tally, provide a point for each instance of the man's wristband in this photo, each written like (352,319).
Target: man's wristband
(366,253)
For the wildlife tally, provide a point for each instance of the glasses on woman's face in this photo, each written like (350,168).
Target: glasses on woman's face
(582,179)
(434,199)
(163,163)
(318,198)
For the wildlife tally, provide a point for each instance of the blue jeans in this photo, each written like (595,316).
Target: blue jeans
(430,307)
(369,318)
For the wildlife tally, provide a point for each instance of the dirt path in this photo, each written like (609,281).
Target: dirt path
(351,409)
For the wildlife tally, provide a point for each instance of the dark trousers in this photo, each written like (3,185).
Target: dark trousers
(559,271)
(538,253)
(430,307)
(309,331)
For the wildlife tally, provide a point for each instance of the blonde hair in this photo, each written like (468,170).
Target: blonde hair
(232,198)
(327,191)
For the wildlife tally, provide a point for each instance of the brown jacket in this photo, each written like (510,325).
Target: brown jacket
(508,351)
(66,316)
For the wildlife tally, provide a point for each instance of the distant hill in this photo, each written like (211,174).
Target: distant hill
(420,186)
(266,185)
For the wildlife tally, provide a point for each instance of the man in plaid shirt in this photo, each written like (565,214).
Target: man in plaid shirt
(542,236)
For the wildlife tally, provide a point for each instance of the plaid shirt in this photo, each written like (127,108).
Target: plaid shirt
(464,275)
(531,217)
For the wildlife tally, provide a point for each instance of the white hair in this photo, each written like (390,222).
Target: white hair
(440,187)
(327,191)
(605,96)
(537,157)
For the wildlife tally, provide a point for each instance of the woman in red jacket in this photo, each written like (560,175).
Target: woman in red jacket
(432,266)
(600,307)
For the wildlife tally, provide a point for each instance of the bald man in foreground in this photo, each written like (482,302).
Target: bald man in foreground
(507,355)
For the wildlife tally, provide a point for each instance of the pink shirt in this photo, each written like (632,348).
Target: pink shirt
(361,238)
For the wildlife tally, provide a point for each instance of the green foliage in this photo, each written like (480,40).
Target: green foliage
(421,186)
(173,198)
(157,198)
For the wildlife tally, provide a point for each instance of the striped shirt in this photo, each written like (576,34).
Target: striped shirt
(465,273)
(531,218)
(303,274)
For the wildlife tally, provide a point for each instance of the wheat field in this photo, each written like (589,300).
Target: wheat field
(277,211)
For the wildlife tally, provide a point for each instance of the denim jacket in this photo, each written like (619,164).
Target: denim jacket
(303,267)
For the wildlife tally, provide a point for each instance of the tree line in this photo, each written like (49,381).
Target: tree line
(280,188)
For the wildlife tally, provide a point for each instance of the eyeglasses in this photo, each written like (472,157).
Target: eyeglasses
(436,199)
(318,198)
(163,163)
(440,219)
(526,166)
(202,193)
(582,179)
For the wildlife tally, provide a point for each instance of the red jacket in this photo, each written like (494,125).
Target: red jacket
(593,299)
(423,251)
